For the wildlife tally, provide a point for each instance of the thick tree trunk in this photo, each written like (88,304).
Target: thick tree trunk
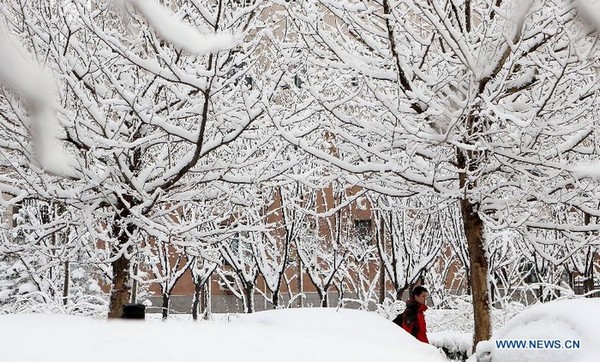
(120,292)
(468,162)
(479,270)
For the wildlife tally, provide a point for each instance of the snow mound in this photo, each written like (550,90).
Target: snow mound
(565,330)
(293,335)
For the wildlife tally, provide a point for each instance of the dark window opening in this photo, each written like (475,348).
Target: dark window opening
(362,230)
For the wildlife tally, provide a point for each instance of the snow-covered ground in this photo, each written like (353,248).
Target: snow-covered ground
(308,334)
(566,330)
(291,335)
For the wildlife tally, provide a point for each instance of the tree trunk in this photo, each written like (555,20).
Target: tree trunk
(400,292)
(588,281)
(165,306)
(196,300)
(275,299)
(120,292)
(479,270)
(380,235)
(66,284)
(341,295)
(134,287)
(206,301)
(469,162)
(324,297)
(300,283)
(249,298)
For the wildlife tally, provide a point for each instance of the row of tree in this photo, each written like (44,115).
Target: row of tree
(166,135)
(398,245)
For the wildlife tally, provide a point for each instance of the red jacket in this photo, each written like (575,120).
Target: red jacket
(415,325)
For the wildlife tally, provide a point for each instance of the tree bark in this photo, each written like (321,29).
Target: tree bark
(588,281)
(380,236)
(206,301)
(275,299)
(478,264)
(120,292)
(300,283)
(123,231)
(249,296)
(479,270)
(165,305)
(324,297)
(400,292)
(66,283)
(196,300)
(134,287)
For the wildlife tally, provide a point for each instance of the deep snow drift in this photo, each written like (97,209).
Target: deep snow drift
(290,335)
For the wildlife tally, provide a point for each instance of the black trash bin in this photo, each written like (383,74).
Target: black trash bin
(134,311)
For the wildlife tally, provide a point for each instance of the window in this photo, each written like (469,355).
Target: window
(528,272)
(11,212)
(238,246)
(298,81)
(226,283)
(45,214)
(242,2)
(362,230)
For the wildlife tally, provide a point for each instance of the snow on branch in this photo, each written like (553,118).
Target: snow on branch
(591,170)
(182,35)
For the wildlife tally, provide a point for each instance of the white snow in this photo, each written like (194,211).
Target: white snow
(4,294)
(591,170)
(291,335)
(454,342)
(565,320)
(27,288)
(180,34)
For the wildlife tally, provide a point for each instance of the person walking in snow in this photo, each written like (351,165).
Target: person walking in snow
(413,318)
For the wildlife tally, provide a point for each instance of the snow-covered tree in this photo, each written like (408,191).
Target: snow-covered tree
(410,239)
(167,262)
(150,102)
(484,103)
(202,270)
(45,259)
